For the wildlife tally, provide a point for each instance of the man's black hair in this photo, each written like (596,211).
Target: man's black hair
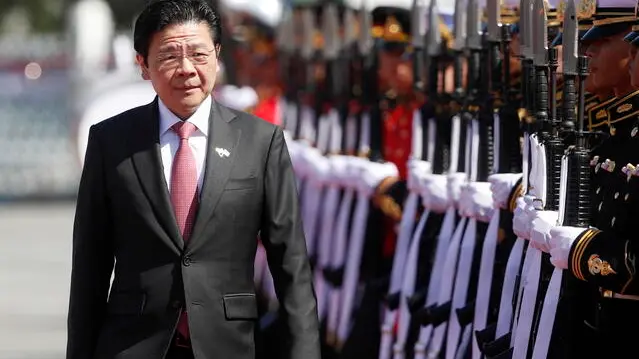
(159,14)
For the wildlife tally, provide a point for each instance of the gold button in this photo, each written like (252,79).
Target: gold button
(613,131)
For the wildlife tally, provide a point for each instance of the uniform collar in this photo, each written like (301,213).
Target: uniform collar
(597,114)
(200,118)
(622,114)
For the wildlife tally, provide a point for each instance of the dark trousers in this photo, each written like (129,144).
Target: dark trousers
(618,328)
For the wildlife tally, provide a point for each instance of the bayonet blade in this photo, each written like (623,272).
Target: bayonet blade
(365,43)
(540,34)
(433,36)
(473,25)
(493,15)
(459,31)
(308,30)
(284,37)
(529,32)
(524,46)
(418,24)
(570,38)
(350,30)
(330,30)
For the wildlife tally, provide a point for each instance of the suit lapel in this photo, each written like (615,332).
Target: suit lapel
(220,156)
(148,165)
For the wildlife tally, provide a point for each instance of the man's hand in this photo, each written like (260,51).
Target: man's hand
(453,185)
(373,173)
(501,186)
(417,169)
(434,193)
(561,239)
(482,202)
(522,219)
(542,223)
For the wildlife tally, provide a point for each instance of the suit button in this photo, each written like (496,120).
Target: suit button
(176,304)
(186,260)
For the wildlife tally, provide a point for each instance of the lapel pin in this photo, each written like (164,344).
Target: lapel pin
(222,152)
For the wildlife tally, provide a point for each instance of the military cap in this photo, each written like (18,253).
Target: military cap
(585,12)
(257,22)
(391,20)
(632,36)
(509,11)
(611,17)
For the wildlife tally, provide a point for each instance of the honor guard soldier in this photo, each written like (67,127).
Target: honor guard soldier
(253,26)
(604,254)
(396,101)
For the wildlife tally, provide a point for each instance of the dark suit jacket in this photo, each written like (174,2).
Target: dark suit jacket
(124,215)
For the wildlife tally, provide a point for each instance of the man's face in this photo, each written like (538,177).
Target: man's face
(395,72)
(590,80)
(634,66)
(182,66)
(609,61)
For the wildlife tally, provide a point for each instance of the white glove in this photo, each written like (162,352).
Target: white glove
(542,223)
(465,203)
(416,170)
(561,239)
(434,193)
(501,185)
(308,158)
(339,170)
(453,186)
(522,218)
(317,168)
(295,155)
(374,173)
(482,203)
(352,172)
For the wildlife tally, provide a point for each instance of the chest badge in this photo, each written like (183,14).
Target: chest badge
(608,165)
(222,152)
(629,170)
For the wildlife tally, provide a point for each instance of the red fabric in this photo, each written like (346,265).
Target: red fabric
(268,110)
(397,134)
(184,196)
(390,238)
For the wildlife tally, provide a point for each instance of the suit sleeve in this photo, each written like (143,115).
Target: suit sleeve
(92,258)
(283,238)
(605,260)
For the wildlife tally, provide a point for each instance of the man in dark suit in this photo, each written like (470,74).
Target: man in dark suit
(174,194)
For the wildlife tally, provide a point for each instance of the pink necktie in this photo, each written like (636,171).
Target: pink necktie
(184,194)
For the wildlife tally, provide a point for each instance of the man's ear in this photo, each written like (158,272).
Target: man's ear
(145,70)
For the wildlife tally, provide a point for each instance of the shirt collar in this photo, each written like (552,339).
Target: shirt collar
(200,118)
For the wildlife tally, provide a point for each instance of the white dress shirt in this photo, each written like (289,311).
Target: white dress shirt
(169,140)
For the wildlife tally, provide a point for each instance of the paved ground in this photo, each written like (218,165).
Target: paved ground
(35,252)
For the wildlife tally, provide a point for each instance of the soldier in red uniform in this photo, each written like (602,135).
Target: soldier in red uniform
(256,58)
(392,25)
